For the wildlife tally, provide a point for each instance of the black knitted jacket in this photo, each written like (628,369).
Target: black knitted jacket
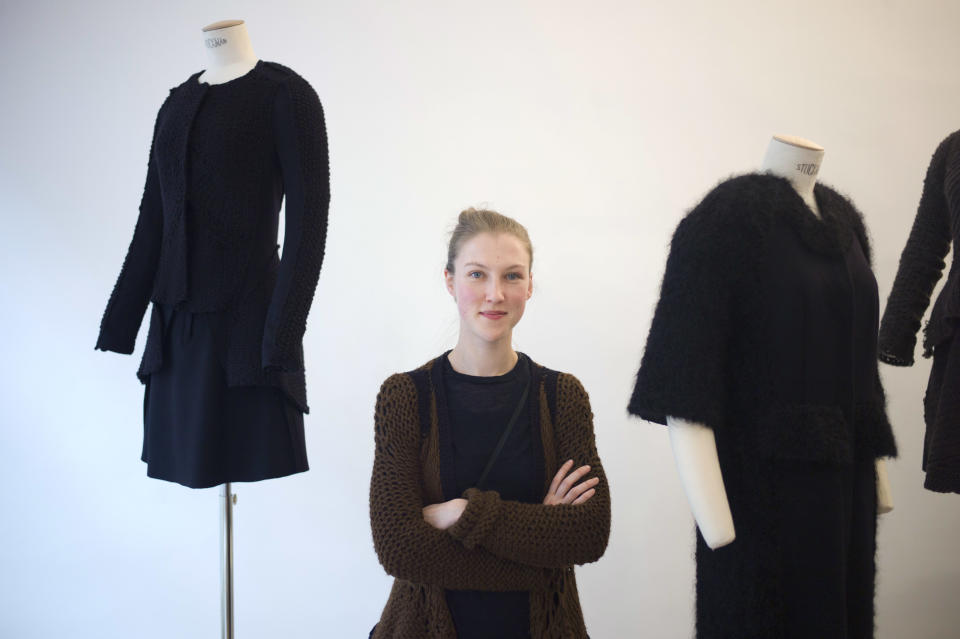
(205,239)
(921,264)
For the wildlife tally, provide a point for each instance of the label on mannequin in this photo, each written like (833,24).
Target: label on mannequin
(213,43)
(808,169)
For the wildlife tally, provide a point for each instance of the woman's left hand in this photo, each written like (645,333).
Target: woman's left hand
(444,514)
(565,490)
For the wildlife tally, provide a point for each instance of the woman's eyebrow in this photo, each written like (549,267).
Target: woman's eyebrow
(508,268)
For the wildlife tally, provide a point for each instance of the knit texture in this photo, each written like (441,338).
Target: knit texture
(941,404)
(935,228)
(222,158)
(766,331)
(936,225)
(496,545)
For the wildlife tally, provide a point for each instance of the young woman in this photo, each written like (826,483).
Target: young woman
(487,487)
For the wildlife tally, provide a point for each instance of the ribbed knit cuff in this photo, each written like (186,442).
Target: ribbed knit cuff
(273,360)
(896,341)
(106,342)
(478,518)
(894,360)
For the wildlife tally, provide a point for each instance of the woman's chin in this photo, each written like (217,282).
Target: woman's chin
(492,337)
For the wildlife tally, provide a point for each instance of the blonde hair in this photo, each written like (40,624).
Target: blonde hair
(473,221)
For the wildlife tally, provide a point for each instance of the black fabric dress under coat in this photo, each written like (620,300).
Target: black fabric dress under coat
(766,332)
(199,432)
(478,409)
(223,364)
(935,227)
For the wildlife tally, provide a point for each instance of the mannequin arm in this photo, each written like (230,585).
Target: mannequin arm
(695,452)
(884,496)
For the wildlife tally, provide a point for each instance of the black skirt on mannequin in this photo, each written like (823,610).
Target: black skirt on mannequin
(199,432)
(941,442)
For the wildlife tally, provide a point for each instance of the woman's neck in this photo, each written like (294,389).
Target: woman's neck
(483,359)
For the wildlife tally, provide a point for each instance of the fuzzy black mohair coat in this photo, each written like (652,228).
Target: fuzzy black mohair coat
(766,332)
(205,239)
(936,226)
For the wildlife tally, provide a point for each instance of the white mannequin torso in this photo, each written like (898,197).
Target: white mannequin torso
(229,52)
(694,445)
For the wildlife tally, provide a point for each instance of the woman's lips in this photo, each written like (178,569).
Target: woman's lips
(494,315)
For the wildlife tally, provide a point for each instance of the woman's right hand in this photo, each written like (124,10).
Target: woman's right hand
(565,490)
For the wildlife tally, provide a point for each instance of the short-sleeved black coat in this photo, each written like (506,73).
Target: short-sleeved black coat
(766,331)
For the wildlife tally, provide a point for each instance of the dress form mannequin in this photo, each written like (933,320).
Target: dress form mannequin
(229,51)
(229,56)
(694,445)
(231,151)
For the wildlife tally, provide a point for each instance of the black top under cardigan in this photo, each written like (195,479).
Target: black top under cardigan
(205,239)
(478,410)
(766,331)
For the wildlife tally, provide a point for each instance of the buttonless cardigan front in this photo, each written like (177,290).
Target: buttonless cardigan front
(205,238)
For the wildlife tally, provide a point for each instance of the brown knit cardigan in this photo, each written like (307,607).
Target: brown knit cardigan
(496,544)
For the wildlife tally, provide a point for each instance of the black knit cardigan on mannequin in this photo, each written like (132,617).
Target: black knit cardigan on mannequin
(205,238)
(935,228)
(922,262)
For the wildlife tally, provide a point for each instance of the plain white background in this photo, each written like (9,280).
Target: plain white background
(596,124)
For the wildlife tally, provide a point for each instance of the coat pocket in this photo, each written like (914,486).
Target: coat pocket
(807,432)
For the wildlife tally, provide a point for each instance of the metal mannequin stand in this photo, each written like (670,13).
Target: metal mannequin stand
(226,562)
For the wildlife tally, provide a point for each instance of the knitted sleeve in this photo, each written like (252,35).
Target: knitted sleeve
(131,294)
(537,534)
(921,264)
(684,365)
(302,149)
(407,546)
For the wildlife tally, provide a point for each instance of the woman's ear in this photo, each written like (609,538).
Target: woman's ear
(530,285)
(448,281)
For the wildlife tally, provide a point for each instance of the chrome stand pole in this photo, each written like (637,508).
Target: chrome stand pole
(226,562)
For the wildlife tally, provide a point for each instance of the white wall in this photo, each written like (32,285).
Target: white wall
(596,124)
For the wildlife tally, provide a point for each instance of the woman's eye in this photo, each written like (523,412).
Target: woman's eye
(514,276)
(474,275)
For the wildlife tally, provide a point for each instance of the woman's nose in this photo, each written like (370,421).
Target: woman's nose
(494,292)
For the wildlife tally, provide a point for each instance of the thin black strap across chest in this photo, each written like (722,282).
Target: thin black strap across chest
(503,437)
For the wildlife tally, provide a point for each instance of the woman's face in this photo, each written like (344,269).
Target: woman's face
(491,284)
